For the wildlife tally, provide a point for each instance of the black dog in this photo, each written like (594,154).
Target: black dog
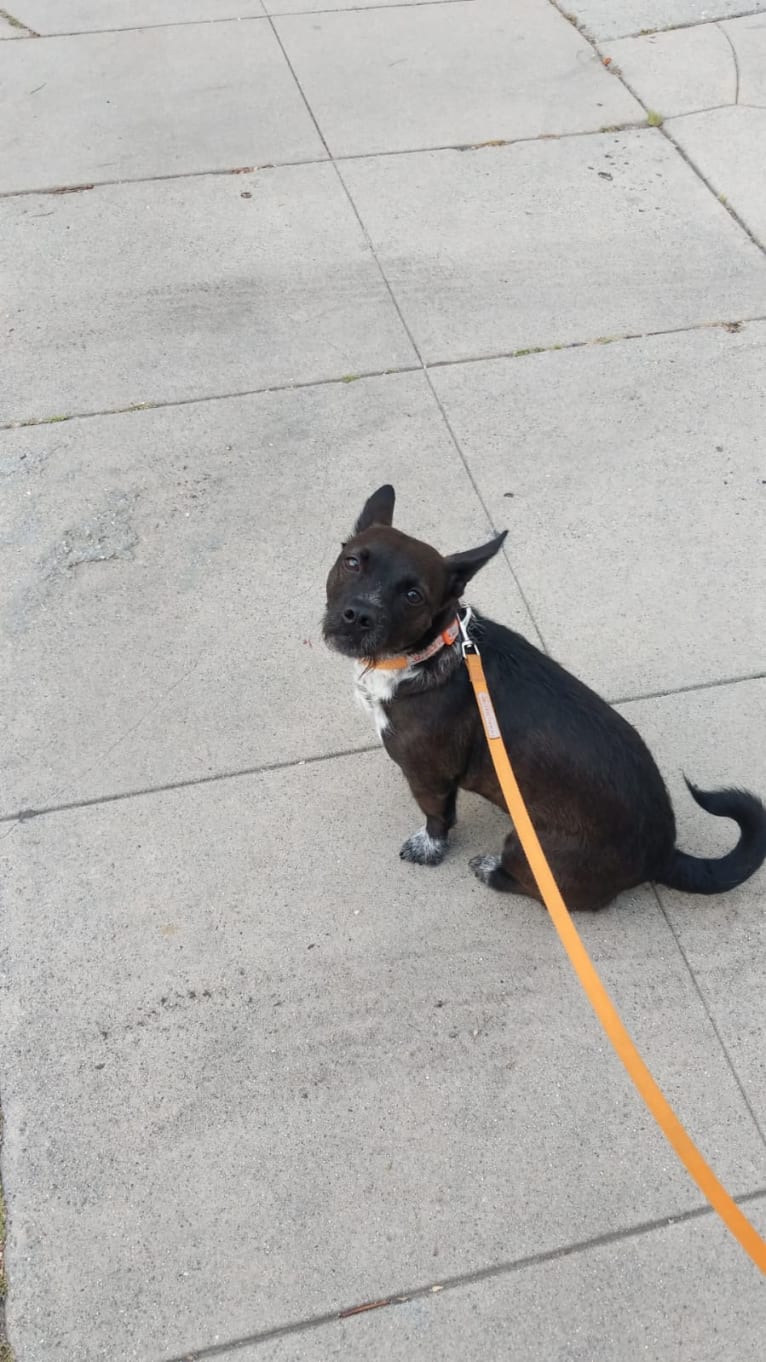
(595,795)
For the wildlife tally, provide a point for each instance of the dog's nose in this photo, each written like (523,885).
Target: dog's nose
(360,614)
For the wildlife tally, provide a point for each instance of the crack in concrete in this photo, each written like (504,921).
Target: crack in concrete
(709,1014)
(734,57)
(649,32)
(232,18)
(48,191)
(728,324)
(26,813)
(504,1269)
(740,221)
(692,113)
(150,710)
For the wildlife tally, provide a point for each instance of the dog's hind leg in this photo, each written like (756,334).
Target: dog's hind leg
(576,875)
(501,872)
(428,845)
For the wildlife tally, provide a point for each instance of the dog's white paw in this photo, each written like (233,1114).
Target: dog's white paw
(422,849)
(483,866)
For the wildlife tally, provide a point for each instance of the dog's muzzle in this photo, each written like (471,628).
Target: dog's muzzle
(356,628)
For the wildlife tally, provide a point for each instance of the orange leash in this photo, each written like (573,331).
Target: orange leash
(597,995)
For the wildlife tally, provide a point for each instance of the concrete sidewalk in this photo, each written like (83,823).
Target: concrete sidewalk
(254,1070)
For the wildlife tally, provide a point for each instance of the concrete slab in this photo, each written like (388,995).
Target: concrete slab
(685,1291)
(727,147)
(715,736)
(209,292)
(81,16)
(748,38)
(307,1074)
(397,79)
(638,502)
(150,562)
(681,71)
(604,19)
(543,243)
(113,106)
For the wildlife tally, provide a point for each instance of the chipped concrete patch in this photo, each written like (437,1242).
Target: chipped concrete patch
(16,462)
(105,535)
(109,535)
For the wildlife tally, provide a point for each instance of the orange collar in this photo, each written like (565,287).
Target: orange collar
(398,664)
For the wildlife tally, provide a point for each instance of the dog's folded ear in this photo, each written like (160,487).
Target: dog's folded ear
(378,509)
(461,567)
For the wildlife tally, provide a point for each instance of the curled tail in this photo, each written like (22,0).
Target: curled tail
(701,875)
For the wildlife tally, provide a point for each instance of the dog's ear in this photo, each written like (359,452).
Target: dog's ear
(461,567)
(378,509)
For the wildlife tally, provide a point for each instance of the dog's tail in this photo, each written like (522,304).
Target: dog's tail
(701,875)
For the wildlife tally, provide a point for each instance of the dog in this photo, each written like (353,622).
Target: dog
(595,795)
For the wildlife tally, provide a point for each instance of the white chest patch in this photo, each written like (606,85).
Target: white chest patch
(374,688)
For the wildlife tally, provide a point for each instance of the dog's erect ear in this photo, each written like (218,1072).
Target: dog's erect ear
(378,509)
(461,567)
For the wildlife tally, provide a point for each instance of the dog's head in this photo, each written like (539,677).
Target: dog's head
(390,594)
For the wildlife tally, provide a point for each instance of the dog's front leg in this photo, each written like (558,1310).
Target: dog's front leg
(428,845)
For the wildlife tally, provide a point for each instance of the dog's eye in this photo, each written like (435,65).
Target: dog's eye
(414,596)
(350,563)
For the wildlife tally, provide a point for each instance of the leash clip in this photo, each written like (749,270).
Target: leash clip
(466,642)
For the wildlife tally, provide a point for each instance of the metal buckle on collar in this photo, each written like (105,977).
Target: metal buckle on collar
(464,616)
